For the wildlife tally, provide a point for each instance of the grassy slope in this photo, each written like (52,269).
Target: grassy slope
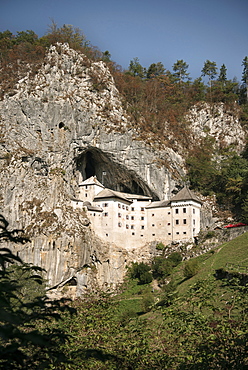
(235,251)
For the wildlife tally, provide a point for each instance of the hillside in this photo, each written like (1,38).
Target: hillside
(64,118)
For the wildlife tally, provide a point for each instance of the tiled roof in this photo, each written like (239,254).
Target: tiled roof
(91,181)
(108,193)
(159,204)
(185,194)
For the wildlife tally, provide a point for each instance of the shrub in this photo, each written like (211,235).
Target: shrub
(175,258)
(141,271)
(190,269)
(161,267)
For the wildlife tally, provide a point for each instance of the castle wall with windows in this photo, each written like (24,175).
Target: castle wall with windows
(131,220)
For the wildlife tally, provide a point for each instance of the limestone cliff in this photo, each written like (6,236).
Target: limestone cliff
(59,127)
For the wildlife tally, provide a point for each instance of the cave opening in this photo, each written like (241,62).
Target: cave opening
(94,162)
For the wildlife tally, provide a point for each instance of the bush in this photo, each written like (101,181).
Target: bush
(175,258)
(141,271)
(190,269)
(161,267)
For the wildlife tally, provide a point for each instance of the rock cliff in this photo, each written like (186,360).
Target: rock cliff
(64,125)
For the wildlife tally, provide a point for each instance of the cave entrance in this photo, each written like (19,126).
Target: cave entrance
(94,162)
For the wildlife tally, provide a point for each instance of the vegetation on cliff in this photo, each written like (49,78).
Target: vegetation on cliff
(197,322)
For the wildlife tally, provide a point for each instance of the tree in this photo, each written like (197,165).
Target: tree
(25,340)
(180,68)
(155,69)
(209,69)
(135,68)
(222,76)
(141,271)
(245,75)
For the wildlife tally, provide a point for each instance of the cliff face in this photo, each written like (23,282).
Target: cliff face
(59,127)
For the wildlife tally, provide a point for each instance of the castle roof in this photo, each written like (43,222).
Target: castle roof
(185,194)
(159,204)
(108,193)
(91,181)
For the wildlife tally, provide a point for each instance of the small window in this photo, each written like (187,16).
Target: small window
(132,227)
(141,236)
(153,225)
(133,233)
(127,226)
(193,222)
(184,210)
(119,214)
(119,224)
(168,223)
(153,234)
(142,227)
(142,208)
(119,206)
(105,205)
(177,222)
(169,233)
(132,208)
(123,207)
(168,213)
(126,208)
(152,214)
(94,214)
(105,214)
(184,221)
(177,210)
(132,217)
(142,218)
(86,195)
(127,217)
(177,232)
(194,210)
(184,232)
(86,187)
(106,234)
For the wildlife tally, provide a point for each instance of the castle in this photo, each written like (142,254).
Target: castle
(131,220)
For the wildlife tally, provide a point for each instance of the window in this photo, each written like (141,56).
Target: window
(193,222)
(105,214)
(177,222)
(127,217)
(169,233)
(142,227)
(184,210)
(94,214)
(86,187)
(119,206)
(168,213)
(132,208)
(153,234)
(141,235)
(127,208)
(184,221)
(152,214)
(177,232)
(123,207)
(119,214)
(106,234)
(142,218)
(153,225)
(127,226)
(184,232)
(132,217)
(177,210)
(105,205)
(142,208)
(132,227)
(168,223)
(119,224)
(133,233)
(194,210)
(86,195)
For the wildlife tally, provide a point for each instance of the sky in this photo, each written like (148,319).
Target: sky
(151,30)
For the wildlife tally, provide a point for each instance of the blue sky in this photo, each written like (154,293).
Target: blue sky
(152,30)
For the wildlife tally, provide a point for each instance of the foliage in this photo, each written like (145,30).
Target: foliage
(190,269)
(25,341)
(141,271)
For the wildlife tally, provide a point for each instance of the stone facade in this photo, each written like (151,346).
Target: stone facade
(131,220)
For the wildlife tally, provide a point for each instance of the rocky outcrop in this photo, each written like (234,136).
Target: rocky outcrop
(59,127)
